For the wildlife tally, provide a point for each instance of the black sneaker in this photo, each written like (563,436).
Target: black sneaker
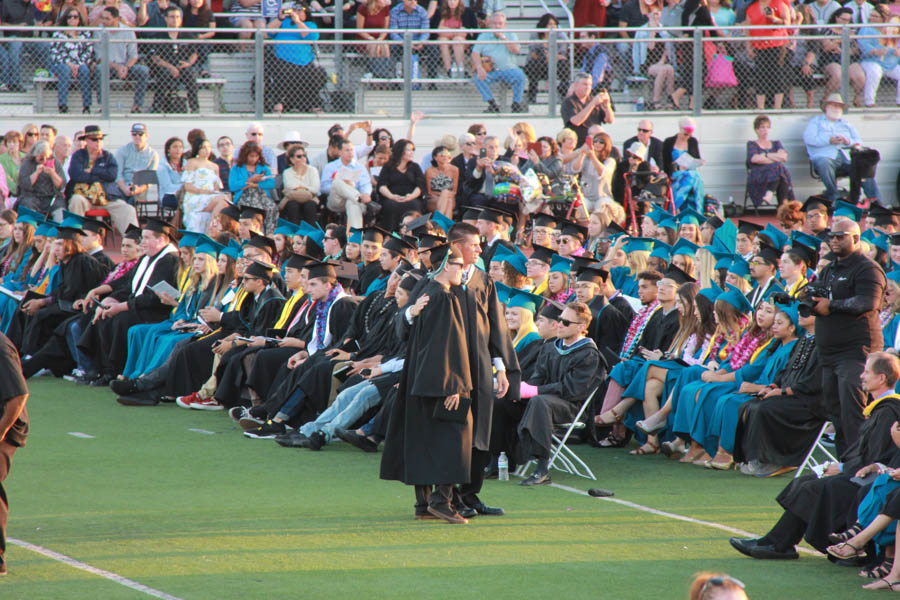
(354,439)
(292,439)
(492,108)
(266,431)
(519,107)
(85,378)
(236,412)
(102,381)
(124,387)
(537,478)
(316,441)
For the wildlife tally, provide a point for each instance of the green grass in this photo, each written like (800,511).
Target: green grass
(219,516)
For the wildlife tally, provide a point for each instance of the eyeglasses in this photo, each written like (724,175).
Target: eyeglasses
(567,323)
(469,143)
(73,16)
(718,582)
(757,263)
(32,134)
(138,134)
(383,137)
(645,130)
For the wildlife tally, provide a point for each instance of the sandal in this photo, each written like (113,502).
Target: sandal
(648,448)
(837,538)
(602,420)
(879,571)
(719,466)
(613,441)
(888,585)
(836,551)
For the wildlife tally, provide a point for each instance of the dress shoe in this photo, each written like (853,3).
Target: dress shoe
(447,514)
(137,400)
(354,439)
(770,553)
(492,107)
(743,545)
(290,439)
(124,387)
(483,509)
(537,478)
(466,512)
(102,381)
(315,441)
(519,107)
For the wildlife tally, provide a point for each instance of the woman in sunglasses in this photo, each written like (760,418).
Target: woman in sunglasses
(300,199)
(71,57)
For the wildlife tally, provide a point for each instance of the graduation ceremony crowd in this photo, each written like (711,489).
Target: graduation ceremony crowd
(451,315)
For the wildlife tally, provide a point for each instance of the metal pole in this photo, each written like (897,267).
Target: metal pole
(258,68)
(698,72)
(845,65)
(552,74)
(407,74)
(338,37)
(104,73)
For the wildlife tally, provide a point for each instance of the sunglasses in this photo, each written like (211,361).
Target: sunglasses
(838,235)
(720,581)
(299,156)
(567,323)
(32,134)
(256,134)
(645,130)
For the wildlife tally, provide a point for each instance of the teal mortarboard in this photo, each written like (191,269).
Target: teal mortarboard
(723,257)
(47,229)
(188,239)
(662,250)
(806,239)
(206,245)
(735,298)
(726,235)
(774,237)
(668,223)
(847,210)
(502,292)
(793,313)
(638,244)
(286,228)
(724,262)
(523,299)
(72,221)
(514,257)
(740,267)
(657,214)
(560,264)
(710,293)
(686,248)
(311,233)
(893,276)
(355,236)
(233,249)
(869,235)
(30,217)
(883,242)
(690,216)
(442,221)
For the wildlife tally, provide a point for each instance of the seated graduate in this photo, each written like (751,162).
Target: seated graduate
(764,271)
(556,389)
(776,430)
(93,233)
(816,507)
(608,325)
(537,268)
(370,252)
(39,277)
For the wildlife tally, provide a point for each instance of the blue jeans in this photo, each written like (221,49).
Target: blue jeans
(83,361)
(139,74)
(11,63)
(515,77)
(64,74)
(347,408)
(828,168)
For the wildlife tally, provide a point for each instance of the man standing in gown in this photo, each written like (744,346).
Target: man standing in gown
(13,425)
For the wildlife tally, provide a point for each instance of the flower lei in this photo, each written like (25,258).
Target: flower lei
(120,270)
(322,309)
(637,326)
(744,349)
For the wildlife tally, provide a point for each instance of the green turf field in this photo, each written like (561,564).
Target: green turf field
(197,516)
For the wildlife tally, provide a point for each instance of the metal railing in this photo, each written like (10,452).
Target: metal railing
(348,76)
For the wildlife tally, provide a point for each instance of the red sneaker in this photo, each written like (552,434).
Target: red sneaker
(208,404)
(185,401)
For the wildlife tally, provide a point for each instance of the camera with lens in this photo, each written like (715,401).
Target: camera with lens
(811,291)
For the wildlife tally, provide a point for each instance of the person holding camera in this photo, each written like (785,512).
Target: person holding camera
(296,76)
(847,328)
(579,111)
(41,178)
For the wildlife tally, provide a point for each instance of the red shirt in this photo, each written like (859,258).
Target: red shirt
(756,16)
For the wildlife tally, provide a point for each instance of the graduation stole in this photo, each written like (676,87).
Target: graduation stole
(562,350)
(871,405)
(795,289)
(145,270)
(182,287)
(636,329)
(759,350)
(42,287)
(539,290)
(288,307)
(523,334)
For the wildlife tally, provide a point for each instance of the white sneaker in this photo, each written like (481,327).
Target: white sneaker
(74,375)
(43,372)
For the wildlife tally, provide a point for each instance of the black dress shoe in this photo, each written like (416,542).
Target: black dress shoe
(315,441)
(770,553)
(743,545)
(137,400)
(537,478)
(483,509)
(290,439)
(102,381)
(353,438)
(466,512)
(124,387)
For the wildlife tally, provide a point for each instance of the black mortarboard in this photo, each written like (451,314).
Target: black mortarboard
(614,228)
(542,253)
(266,244)
(593,273)
(769,254)
(429,240)
(313,250)
(398,245)
(403,266)
(133,233)
(374,234)
(321,269)
(895,239)
(249,212)
(580,262)
(494,215)
(231,211)
(817,199)
(544,220)
(677,275)
(69,233)
(809,255)
(419,226)
(439,252)
(552,309)
(410,279)
(471,213)
(296,261)
(748,228)
(157,225)
(715,222)
(259,269)
(573,229)
(95,225)
(882,215)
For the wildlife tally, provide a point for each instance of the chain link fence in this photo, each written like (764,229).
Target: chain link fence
(117,71)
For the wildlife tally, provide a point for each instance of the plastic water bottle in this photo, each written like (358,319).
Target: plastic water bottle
(503,467)
(639,105)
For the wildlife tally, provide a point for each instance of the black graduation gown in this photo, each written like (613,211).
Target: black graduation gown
(608,328)
(367,275)
(826,504)
(77,277)
(419,449)
(623,307)
(660,330)
(104,260)
(781,429)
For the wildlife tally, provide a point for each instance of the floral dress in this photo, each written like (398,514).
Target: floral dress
(195,219)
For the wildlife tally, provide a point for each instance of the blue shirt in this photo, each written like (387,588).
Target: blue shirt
(820,130)
(298,54)
(499,53)
(363,184)
(869,45)
(417,19)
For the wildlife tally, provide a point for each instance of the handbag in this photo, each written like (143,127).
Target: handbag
(720,72)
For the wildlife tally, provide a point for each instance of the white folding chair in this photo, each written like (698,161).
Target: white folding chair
(563,458)
(810,461)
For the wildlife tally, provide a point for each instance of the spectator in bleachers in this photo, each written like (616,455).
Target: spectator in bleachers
(635,13)
(225,160)
(251,182)
(71,57)
(408,15)
(48,133)
(12,159)
(819,12)
(168,172)
(862,10)
(352,190)
(123,58)
(151,13)
(653,144)
(538,51)
(247,14)
(879,56)
(567,140)
(497,62)
(468,150)
(297,77)
(595,58)
(722,13)
(30,135)
(375,14)
(687,185)
(126,13)
(62,152)
(580,111)
(826,54)
(597,167)
(769,54)
(767,174)
(401,185)
(441,182)
(651,60)
(483,9)
(13,12)
(827,138)
(547,163)
(174,64)
(40,179)
(92,174)
(301,184)
(59,8)
(199,16)
(331,152)
(203,197)
(454,15)
(134,157)
(255,132)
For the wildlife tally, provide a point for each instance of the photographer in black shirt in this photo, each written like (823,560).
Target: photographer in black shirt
(847,329)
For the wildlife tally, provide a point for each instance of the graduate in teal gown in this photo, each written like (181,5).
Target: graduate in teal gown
(624,278)
(16,265)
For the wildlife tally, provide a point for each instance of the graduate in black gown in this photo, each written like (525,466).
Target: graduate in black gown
(816,507)
(429,436)
(370,252)
(608,325)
